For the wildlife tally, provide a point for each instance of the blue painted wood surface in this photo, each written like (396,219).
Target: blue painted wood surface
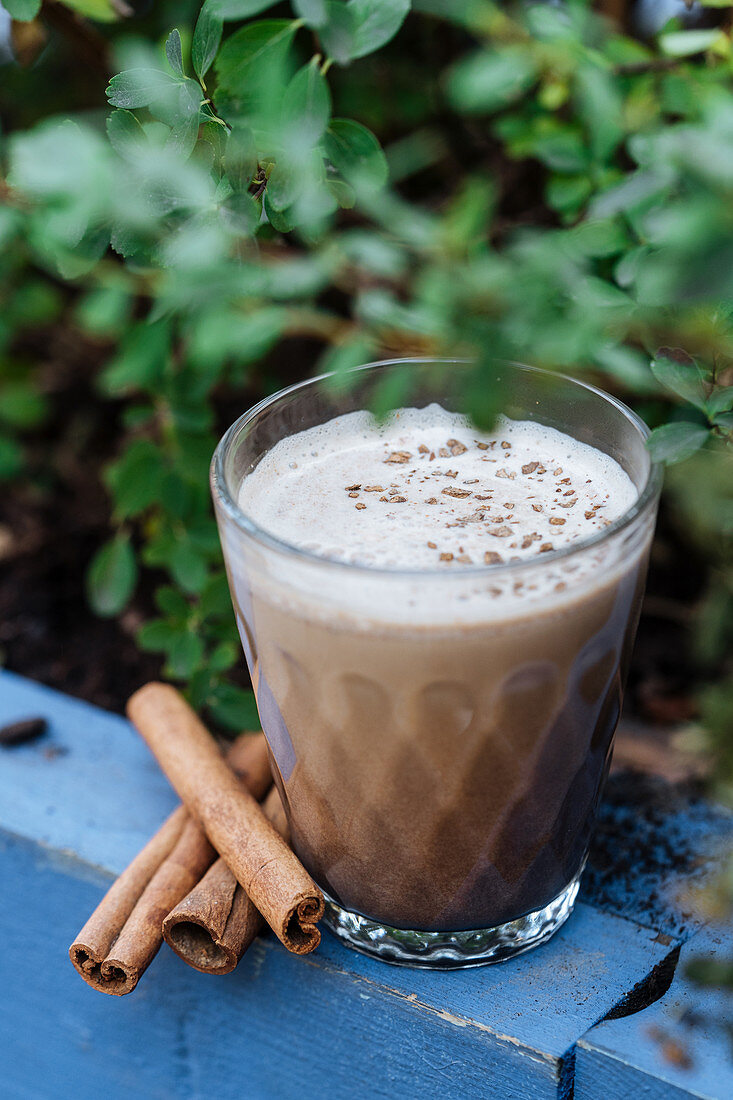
(680,1046)
(334,1021)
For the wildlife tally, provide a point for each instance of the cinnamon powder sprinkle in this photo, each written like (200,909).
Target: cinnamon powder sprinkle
(451,492)
(556,521)
(360,506)
(536,507)
(433,545)
(423,449)
(502,472)
(530,467)
(456,447)
(443,452)
(353,494)
(483,446)
(501,532)
(432,500)
(373,489)
(505,445)
(399,457)
(446,557)
(349,488)
(492,558)
(402,500)
(465,559)
(545,547)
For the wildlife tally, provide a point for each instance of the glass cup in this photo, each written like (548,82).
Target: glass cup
(440,738)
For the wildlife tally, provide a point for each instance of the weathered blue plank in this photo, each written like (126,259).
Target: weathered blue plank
(101,798)
(650,838)
(332,1020)
(677,1048)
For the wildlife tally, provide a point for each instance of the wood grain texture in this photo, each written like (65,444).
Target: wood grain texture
(678,1047)
(373,1030)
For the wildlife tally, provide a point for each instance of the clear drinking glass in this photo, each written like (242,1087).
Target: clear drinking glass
(440,739)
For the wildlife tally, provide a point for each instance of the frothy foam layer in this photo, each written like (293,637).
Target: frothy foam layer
(426,491)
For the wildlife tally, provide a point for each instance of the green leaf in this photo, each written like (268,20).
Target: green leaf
(337,33)
(674,442)
(126,135)
(185,655)
(721,401)
(112,576)
(240,157)
(313,12)
(307,105)
(237,9)
(11,458)
(223,657)
(103,11)
(679,372)
(251,65)
(174,52)
(356,154)
(22,10)
(206,39)
(141,360)
(20,405)
(104,311)
(241,214)
(687,43)
(234,707)
(376,22)
(487,81)
(172,602)
(188,566)
(157,635)
(139,88)
(135,479)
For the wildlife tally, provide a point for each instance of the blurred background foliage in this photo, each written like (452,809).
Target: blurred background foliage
(202,204)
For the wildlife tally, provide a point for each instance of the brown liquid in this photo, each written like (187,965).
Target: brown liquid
(443,778)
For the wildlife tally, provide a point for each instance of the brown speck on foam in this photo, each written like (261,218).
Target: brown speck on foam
(558,471)
(385,498)
(527,542)
(505,445)
(565,481)
(483,446)
(502,472)
(560,586)
(455,492)
(484,496)
(353,494)
(471,481)
(530,467)
(443,452)
(433,545)
(373,489)
(398,457)
(456,447)
(423,449)
(492,558)
(536,507)
(350,488)
(589,515)
(545,548)
(432,500)
(556,521)
(501,532)
(400,500)
(568,503)
(446,556)
(360,506)
(432,456)
(465,558)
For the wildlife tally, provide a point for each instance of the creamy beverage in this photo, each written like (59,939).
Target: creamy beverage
(437,623)
(440,725)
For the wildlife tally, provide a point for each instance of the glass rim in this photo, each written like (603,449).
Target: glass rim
(222,494)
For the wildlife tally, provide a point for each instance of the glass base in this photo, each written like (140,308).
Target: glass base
(451,950)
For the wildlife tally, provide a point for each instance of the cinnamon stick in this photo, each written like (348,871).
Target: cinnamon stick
(260,860)
(215,924)
(124,932)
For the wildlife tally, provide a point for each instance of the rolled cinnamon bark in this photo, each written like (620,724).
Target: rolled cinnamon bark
(93,944)
(124,932)
(215,924)
(270,873)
